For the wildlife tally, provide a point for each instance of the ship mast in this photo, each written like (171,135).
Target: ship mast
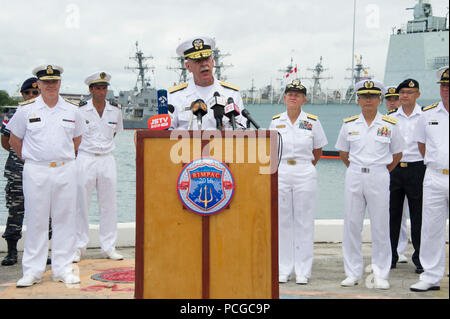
(218,64)
(181,67)
(141,67)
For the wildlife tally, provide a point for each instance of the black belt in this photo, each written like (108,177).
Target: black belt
(410,164)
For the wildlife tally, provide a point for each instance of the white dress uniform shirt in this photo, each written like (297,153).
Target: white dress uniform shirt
(407,125)
(370,145)
(99,135)
(367,187)
(47,133)
(96,169)
(297,192)
(432,130)
(181,100)
(300,138)
(49,182)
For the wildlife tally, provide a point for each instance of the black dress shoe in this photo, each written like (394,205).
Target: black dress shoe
(10,259)
(393,266)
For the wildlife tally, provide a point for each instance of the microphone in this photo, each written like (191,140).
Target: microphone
(170,108)
(231,111)
(199,109)
(162,101)
(217,104)
(247,115)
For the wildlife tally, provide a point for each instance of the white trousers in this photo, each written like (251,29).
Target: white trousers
(434,218)
(49,191)
(297,196)
(371,191)
(97,172)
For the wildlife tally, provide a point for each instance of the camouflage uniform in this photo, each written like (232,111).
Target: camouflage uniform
(13,190)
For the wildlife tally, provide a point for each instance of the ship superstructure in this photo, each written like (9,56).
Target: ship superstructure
(417,50)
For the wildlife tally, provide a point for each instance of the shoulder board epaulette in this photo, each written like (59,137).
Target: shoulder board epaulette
(389,119)
(229,86)
(178,88)
(71,102)
(392,111)
(429,107)
(27,102)
(82,103)
(351,119)
(276,116)
(312,117)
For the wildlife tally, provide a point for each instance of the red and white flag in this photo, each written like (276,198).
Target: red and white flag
(294,70)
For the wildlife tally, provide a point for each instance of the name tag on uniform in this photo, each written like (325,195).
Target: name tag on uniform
(281,126)
(433,122)
(36,119)
(353,133)
(70,121)
(112,122)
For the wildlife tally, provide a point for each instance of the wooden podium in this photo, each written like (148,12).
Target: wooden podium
(232,254)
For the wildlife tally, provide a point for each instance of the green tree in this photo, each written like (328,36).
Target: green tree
(5,99)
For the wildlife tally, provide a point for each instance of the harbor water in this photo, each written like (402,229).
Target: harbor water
(330,171)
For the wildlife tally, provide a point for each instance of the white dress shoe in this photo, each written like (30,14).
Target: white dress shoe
(27,281)
(283,278)
(301,280)
(381,283)
(424,286)
(113,255)
(68,279)
(77,257)
(402,259)
(349,282)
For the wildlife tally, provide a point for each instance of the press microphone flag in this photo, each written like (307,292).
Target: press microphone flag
(162,102)
(217,104)
(159,122)
(231,111)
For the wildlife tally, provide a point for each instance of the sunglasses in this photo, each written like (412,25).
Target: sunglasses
(28,92)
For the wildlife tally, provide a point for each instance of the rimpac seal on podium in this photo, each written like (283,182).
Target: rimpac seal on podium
(206,186)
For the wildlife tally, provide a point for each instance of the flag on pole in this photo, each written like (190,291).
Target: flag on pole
(294,70)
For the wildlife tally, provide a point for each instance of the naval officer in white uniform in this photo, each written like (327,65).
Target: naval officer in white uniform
(96,166)
(303,138)
(46,133)
(433,141)
(370,145)
(199,61)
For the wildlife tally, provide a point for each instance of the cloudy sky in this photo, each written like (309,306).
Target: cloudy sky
(261,36)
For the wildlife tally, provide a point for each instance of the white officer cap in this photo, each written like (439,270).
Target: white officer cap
(391,90)
(48,72)
(98,78)
(369,86)
(442,75)
(196,48)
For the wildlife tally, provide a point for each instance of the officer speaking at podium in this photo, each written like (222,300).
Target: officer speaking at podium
(197,52)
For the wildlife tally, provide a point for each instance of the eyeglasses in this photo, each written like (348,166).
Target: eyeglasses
(28,92)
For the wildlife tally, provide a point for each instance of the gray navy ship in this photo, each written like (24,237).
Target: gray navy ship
(418,50)
(139,104)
